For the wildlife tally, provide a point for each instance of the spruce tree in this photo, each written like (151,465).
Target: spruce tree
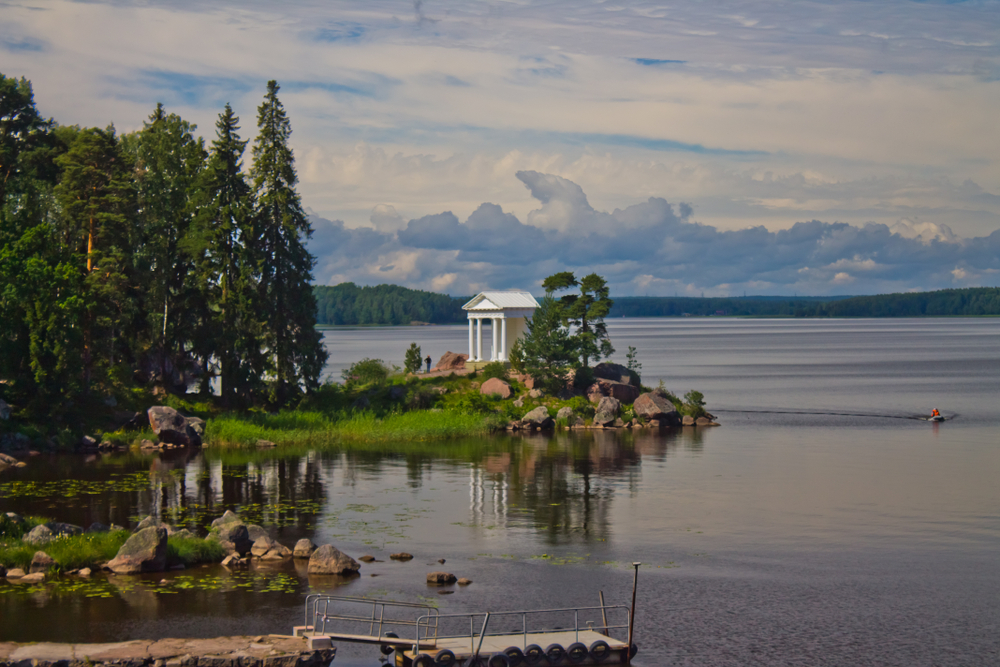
(294,348)
(229,330)
(168,161)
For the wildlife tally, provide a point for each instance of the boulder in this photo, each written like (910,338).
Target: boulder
(15,573)
(41,562)
(496,386)
(183,533)
(536,393)
(451,361)
(262,545)
(328,559)
(40,534)
(256,532)
(87,444)
(83,572)
(654,406)
(441,578)
(145,551)
(197,424)
(704,421)
(146,523)
(304,548)
(234,533)
(402,555)
(566,413)
(607,411)
(229,517)
(7,460)
(367,558)
(616,372)
(687,420)
(33,578)
(62,529)
(464,582)
(172,427)
(148,445)
(277,552)
(538,417)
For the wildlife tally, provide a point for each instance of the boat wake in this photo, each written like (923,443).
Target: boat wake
(778,411)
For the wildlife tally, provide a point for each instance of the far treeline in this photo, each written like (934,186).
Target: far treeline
(347,303)
(968,302)
(391,304)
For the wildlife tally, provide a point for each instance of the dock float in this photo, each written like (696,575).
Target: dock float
(259,651)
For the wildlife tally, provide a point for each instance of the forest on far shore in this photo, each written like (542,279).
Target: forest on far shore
(348,303)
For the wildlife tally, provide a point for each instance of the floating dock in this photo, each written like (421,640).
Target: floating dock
(415,635)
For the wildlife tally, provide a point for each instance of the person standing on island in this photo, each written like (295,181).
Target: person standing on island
(428,360)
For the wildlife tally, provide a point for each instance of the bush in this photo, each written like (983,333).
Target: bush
(494,369)
(192,550)
(414,359)
(367,371)
(694,404)
(581,406)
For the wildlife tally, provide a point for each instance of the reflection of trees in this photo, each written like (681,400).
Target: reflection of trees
(562,484)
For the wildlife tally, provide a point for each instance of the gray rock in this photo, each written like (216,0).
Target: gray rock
(197,424)
(687,420)
(15,573)
(654,406)
(229,517)
(616,372)
(402,555)
(566,413)
(451,361)
(538,417)
(367,558)
(607,411)
(496,387)
(464,581)
(146,523)
(97,527)
(7,460)
(441,578)
(328,559)
(519,403)
(277,552)
(33,578)
(87,443)
(172,427)
(262,545)
(183,533)
(536,393)
(83,572)
(41,562)
(234,533)
(40,534)
(145,551)
(256,532)
(304,548)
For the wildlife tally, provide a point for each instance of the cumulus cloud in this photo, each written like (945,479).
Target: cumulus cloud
(650,247)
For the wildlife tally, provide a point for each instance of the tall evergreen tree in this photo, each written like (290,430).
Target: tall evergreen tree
(168,160)
(547,349)
(220,244)
(586,312)
(295,352)
(96,196)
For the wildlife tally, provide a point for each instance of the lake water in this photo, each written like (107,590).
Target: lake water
(821,524)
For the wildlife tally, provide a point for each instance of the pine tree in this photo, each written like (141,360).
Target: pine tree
(96,196)
(295,352)
(547,349)
(586,312)
(229,330)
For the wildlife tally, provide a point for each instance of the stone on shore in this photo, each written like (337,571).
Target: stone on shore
(41,562)
(687,420)
(33,578)
(256,532)
(402,555)
(451,361)
(367,558)
(83,572)
(15,573)
(304,548)
(229,517)
(235,534)
(652,405)
(566,413)
(616,372)
(539,417)
(607,411)
(262,545)
(144,551)
(98,527)
(704,421)
(172,427)
(328,559)
(441,578)
(464,582)
(496,386)
(40,534)
(146,523)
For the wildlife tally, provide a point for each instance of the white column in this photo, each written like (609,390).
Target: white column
(494,330)
(503,339)
(479,339)
(472,348)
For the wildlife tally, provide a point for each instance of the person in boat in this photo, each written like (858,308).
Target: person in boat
(935,413)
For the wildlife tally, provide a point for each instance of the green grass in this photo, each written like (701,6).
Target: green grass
(292,428)
(192,550)
(70,553)
(92,549)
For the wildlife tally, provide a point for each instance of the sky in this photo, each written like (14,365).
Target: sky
(717,148)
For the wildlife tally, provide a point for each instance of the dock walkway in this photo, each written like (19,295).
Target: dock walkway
(260,651)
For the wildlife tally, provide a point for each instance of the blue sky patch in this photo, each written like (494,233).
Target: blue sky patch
(656,62)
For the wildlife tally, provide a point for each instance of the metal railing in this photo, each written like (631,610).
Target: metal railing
(429,623)
(326,610)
